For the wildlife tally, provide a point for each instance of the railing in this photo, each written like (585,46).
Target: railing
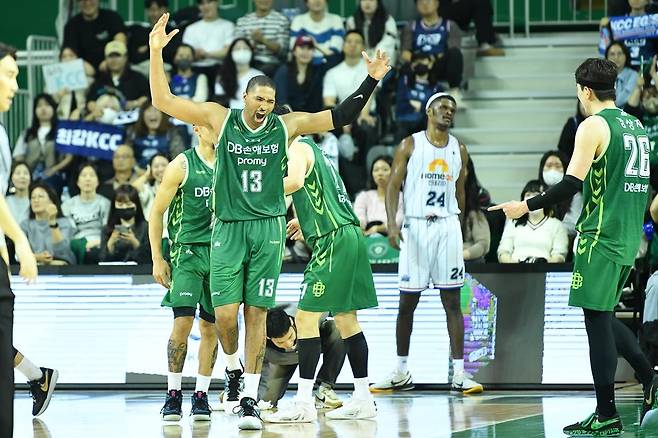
(16,119)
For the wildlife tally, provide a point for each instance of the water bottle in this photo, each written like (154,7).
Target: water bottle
(65,194)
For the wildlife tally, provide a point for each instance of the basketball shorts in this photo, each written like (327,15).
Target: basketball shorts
(338,278)
(190,277)
(245,261)
(431,252)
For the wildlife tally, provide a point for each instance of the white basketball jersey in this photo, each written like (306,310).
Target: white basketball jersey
(430,186)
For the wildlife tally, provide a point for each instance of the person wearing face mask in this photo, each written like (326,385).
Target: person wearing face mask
(185,82)
(535,237)
(235,73)
(125,237)
(551,171)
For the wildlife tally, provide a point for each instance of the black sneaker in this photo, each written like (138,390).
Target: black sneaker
(249,415)
(650,404)
(42,390)
(594,425)
(172,409)
(232,387)
(200,408)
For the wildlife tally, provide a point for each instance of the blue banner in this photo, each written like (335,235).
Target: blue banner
(89,139)
(627,27)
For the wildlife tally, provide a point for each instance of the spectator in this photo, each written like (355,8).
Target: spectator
(299,82)
(235,73)
(534,237)
(639,48)
(89,32)
(89,212)
(568,135)
(433,35)
(617,52)
(153,134)
(48,232)
(325,28)
(267,30)
(551,171)
(130,86)
(36,145)
(369,205)
(414,89)
(477,235)
(328,143)
(185,82)
(123,164)
(377,26)
(147,184)
(479,12)
(69,100)
(210,36)
(105,110)
(18,198)
(125,237)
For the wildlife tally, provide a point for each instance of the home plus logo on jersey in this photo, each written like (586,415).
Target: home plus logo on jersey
(438,172)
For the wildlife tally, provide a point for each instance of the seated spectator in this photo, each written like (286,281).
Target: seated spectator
(325,28)
(105,110)
(551,171)
(130,86)
(70,100)
(534,237)
(123,164)
(617,52)
(210,36)
(125,237)
(147,184)
(184,81)
(235,73)
(299,82)
(477,235)
(568,135)
(268,31)
(48,232)
(370,206)
(377,26)
(438,37)
(36,145)
(89,212)
(152,134)
(480,12)
(18,198)
(89,32)
(639,48)
(414,89)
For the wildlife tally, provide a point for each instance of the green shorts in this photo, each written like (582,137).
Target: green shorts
(245,261)
(190,277)
(338,278)
(597,281)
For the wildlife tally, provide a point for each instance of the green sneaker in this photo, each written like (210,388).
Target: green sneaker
(649,417)
(594,426)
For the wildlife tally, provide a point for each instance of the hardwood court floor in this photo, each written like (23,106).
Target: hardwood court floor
(94,414)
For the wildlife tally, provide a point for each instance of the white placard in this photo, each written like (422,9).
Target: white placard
(70,75)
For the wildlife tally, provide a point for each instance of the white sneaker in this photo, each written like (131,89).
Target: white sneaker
(325,397)
(354,409)
(396,381)
(297,411)
(248,414)
(462,383)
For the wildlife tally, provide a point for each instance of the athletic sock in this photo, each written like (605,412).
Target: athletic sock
(202,383)
(174,381)
(458,366)
(305,390)
(361,391)
(29,370)
(232,361)
(402,364)
(251,385)
(357,353)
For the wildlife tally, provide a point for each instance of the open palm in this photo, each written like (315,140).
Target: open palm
(379,65)
(158,38)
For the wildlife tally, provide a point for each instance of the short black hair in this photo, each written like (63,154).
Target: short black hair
(52,195)
(6,49)
(354,31)
(187,46)
(278,322)
(600,76)
(161,3)
(387,159)
(260,80)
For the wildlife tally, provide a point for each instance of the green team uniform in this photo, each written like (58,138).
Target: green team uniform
(615,194)
(189,226)
(249,232)
(338,278)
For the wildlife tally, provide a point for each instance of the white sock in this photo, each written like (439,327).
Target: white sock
(251,382)
(174,381)
(402,364)
(361,391)
(29,370)
(232,361)
(202,383)
(305,389)
(458,366)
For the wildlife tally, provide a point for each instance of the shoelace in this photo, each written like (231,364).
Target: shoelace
(233,388)
(171,403)
(247,411)
(203,401)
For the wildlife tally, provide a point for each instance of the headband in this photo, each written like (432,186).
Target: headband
(437,96)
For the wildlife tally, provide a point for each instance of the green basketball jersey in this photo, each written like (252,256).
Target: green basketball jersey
(322,204)
(615,191)
(190,217)
(249,169)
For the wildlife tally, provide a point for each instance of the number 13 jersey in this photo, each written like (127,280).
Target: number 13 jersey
(430,185)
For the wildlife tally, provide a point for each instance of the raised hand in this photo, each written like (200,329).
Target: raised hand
(379,66)
(158,38)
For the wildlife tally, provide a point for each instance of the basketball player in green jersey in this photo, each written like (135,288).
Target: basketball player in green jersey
(337,279)
(185,191)
(248,201)
(611,157)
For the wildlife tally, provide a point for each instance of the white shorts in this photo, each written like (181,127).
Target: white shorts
(431,253)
